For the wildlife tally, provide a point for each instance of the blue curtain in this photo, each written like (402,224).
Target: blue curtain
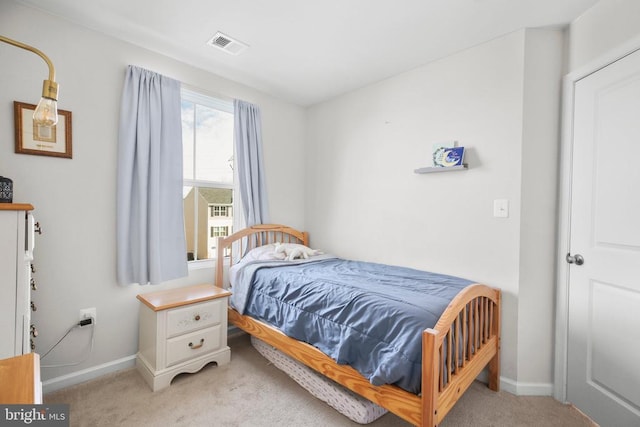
(248,144)
(151,246)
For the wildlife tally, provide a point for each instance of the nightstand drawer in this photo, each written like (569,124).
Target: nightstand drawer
(192,345)
(194,317)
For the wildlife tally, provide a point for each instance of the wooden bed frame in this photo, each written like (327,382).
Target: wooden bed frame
(470,327)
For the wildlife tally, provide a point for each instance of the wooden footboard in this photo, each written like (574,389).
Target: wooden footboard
(462,344)
(464,341)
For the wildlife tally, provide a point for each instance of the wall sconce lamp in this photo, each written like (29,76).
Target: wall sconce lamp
(46,113)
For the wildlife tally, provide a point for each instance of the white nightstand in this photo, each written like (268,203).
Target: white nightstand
(181,330)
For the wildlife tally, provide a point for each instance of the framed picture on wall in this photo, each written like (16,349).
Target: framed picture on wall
(41,140)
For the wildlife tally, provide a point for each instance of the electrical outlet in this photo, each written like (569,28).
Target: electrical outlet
(88,313)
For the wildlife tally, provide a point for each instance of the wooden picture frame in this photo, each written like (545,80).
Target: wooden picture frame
(52,141)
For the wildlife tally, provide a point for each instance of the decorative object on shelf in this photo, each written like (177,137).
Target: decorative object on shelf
(32,138)
(46,113)
(445,157)
(448,157)
(437,151)
(6,190)
(447,154)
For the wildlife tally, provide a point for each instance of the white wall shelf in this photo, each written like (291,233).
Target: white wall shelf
(441,169)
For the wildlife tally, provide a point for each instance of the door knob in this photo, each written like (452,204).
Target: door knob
(576,259)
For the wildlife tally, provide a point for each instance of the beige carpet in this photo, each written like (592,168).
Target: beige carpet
(251,392)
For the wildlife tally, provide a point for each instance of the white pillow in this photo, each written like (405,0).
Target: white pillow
(264,253)
(295,251)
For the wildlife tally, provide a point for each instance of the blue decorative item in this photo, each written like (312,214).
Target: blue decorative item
(448,156)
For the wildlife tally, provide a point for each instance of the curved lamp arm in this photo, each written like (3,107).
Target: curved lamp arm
(46,113)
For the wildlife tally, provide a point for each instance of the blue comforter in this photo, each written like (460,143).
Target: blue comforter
(369,316)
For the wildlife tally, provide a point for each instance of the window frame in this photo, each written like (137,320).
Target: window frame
(226,105)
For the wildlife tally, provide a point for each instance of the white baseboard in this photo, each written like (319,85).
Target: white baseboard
(88,374)
(519,389)
(506,384)
(74,378)
(526,389)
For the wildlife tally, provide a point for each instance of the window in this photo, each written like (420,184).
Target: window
(219,210)
(207,141)
(220,231)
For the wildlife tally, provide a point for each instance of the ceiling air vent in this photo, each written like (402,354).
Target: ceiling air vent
(227,44)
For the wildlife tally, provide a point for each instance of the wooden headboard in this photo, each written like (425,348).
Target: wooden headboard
(244,240)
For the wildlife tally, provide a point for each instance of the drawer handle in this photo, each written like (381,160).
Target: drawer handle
(197,317)
(195,347)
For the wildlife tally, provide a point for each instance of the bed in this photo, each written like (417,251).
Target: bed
(464,340)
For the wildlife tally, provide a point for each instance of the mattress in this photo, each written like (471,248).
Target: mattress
(366,315)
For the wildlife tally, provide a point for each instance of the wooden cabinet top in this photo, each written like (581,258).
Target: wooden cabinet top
(171,298)
(20,380)
(15,207)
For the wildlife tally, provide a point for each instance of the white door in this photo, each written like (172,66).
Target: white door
(604,292)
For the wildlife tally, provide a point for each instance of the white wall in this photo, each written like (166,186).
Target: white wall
(364,201)
(544,61)
(74,199)
(608,24)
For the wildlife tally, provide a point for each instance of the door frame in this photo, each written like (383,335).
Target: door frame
(564,208)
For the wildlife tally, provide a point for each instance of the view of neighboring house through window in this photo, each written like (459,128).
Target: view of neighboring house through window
(220,231)
(207,139)
(219,210)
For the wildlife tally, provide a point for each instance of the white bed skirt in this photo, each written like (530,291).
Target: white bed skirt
(346,402)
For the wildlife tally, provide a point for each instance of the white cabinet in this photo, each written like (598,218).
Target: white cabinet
(181,330)
(16,254)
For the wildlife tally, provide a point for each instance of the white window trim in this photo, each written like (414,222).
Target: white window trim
(212,101)
(223,104)
(199,264)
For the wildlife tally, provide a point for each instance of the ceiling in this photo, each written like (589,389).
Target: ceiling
(305,51)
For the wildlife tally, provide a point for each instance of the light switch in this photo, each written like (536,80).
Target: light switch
(501,208)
